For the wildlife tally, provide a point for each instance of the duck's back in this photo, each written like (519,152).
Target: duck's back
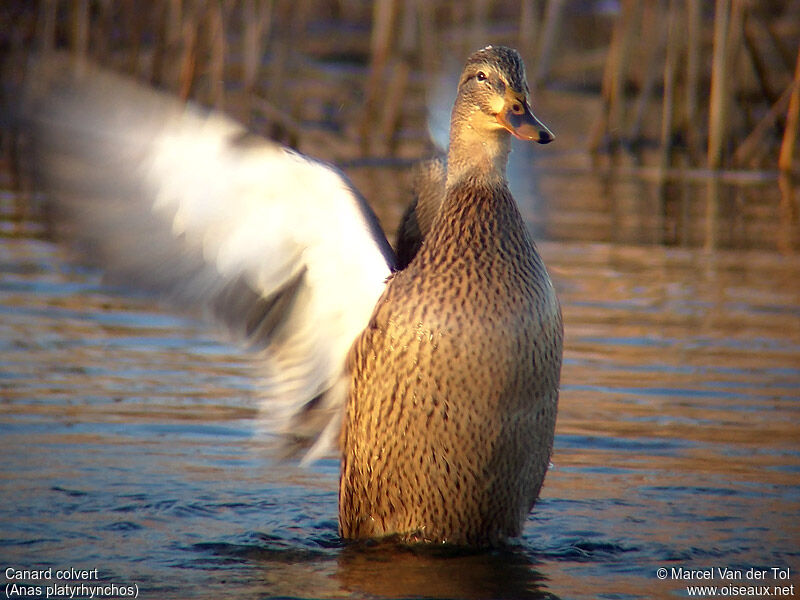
(451,413)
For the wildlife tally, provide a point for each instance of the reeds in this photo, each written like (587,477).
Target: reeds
(734,109)
(785,159)
(706,86)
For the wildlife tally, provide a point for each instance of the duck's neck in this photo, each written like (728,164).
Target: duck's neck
(477,209)
(475,152)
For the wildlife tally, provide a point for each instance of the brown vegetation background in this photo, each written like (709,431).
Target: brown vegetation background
(657,90)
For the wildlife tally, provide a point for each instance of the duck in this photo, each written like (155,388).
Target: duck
(434,376)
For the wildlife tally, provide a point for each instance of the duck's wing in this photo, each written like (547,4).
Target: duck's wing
(175,199)
(429,184)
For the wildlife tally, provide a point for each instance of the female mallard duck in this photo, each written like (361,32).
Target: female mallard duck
(439,382)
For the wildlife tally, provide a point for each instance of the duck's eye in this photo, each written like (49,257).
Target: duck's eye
(516,108)
(481,76)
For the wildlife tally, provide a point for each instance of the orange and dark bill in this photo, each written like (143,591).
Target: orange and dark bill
(517,117)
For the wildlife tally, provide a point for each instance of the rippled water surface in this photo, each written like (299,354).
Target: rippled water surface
(127,435)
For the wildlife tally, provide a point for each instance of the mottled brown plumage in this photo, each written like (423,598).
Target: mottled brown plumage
(450,419)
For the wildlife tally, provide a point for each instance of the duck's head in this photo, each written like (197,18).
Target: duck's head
(493,95)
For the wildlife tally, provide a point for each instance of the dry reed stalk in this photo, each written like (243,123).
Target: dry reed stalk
(395,93)
(694,25)
(633,16)
(187,61)
(718,107)
(754,146)
(614,75)
(735,120)
(761,66)
(256,21)
(279,53)
(131,27)
(786,25)
(383,24)
(46,26)
(527,38)
(427,41)
(216,65)
(652,19)
(786,155)
(674,44)
(159,60)
(80,28)
(166,66)
(101,32)
(548,39)
(392,109)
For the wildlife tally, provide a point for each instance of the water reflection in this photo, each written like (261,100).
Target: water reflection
(129,445)
(337,569)
(423,573)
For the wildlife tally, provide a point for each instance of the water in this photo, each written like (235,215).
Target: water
(127,434)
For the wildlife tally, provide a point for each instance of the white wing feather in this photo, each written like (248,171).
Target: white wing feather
(178,200)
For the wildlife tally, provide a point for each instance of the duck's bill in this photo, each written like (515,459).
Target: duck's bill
(518,119)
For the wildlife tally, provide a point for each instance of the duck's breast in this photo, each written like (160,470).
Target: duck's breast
(452,409)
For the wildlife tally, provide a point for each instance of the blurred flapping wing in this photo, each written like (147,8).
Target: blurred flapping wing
(171,198)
